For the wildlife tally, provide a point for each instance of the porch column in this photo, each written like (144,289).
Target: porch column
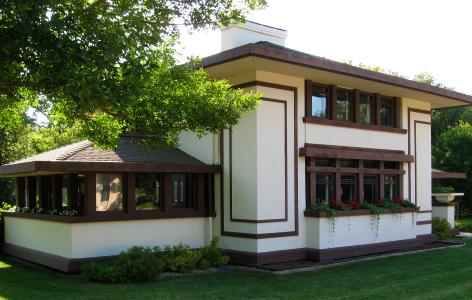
(73,191)
(129,196)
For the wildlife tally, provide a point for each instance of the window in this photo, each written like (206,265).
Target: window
(324,188)
(64,190)
(371,188)
(367,109)
(325,162)
(387,112)
(371,164)
(348,163)
(393,165)
(148,192)
(344,105)
(390,186)
(109,194)
(348,188)
(27,193)
(183,191)
(319,102)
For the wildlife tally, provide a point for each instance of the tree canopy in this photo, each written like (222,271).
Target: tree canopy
(111,66)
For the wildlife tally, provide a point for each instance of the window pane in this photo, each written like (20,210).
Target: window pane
(147,192)
(183,191)
(367,109)
(348,188)
(109,195)
(64,190)
(319,102)
(371,188)
(386,112)
(325,162)
(348,163)
(324,188)
(27,194)
(371,164)
(395,165)
(344,105)
(390,186)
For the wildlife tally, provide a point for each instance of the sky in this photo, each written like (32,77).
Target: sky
(408,37)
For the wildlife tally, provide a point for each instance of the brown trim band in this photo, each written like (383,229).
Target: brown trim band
(317,150)
(447,175)
(424,222)
(252,258)
(83,166)
(286,55)
(56,262)
(425,211)
(295,153)
(243,220)
(436,203)
(320,121)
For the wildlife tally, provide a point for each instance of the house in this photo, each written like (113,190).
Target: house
(324,132)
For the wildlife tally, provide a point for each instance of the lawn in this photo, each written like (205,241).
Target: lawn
(441,274)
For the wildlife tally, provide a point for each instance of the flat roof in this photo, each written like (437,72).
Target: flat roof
(283,54)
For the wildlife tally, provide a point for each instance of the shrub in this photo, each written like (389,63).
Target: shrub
(464,225)
(133,265)
(441,228)
(212,256)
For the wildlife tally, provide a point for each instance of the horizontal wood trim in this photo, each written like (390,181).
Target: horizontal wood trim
(114,216)
(328,122)
(436,203)
(56,262)
(424,222)
(425,211)
(329,151)
(448,175)
(356,212)
(85,166)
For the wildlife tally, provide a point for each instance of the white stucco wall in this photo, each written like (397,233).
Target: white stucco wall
(446,213)
(82,240)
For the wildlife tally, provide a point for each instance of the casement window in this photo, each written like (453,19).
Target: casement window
(367,109)
(390,187)
(344,180)
(332,105)
(319,102)
(371,188)
(109,193)
(387,112)
(325,185)
(148,191)
(348,188)
(344,105)
(183,191)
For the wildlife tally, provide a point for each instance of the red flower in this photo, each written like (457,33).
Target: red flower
(378,202)
(340,206)
(353,204)
(332,203)
(398,200)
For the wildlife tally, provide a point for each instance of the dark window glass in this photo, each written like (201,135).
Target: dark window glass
(395,165)
(319,102)
(390,186)
(371,164)
(348,188)
(371,188)
(27,195)
(325,162)
(367,109)
(38,191)
(348,163)
(81,191)
(148,192)
(64,190)
(325,188)
(344,105)
(183,191)
(386,112)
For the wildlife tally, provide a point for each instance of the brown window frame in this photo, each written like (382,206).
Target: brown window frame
(354,119)
(360,171)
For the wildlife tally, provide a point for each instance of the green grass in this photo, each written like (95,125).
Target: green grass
(441,274)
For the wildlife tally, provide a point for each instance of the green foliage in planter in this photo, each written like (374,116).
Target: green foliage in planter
(464,225)
(331,212)
(443,189)
(375,210)
(136,264)
(441,228)
(394,207)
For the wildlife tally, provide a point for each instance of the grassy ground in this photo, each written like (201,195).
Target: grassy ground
(441,274)
(464,225)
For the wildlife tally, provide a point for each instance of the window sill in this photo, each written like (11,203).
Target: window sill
(112,216)
(352,213)
(320,121)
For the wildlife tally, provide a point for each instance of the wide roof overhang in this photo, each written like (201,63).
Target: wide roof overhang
(439,174)
(276,59)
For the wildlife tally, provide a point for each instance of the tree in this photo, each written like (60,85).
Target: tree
(451,152)
(111,66)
